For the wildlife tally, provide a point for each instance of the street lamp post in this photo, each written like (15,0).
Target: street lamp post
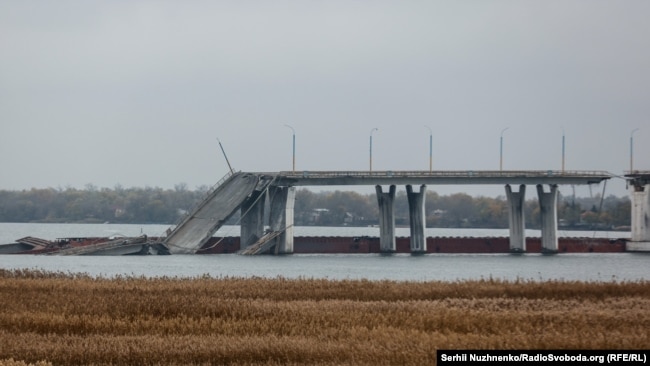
(632,149)
(294,147)
(371,131)
(430,149)
(501,149)
(225,156)
(563,149)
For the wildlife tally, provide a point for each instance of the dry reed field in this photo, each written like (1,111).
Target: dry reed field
(69,319)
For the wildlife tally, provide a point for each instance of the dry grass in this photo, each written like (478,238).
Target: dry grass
(75,319)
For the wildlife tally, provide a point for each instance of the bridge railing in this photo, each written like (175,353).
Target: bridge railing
(636,172)
(447,173)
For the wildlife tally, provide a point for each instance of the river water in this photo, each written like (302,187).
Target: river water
(399,267)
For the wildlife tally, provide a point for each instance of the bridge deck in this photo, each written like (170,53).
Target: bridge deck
(638,177)
(327,178)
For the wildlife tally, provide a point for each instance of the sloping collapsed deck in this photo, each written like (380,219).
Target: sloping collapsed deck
(263,244)
(220,204)
(190,235)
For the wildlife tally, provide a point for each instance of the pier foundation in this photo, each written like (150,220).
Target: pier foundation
(281,217)
(417,218)
(640,212)
(516,219)
(386,200)
(548,213)
(640,240)
(252,219)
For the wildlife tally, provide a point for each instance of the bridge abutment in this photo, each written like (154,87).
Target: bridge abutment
(281,217)
(417,218)
(548,213)
(252,218)
(387,243)
(516,218)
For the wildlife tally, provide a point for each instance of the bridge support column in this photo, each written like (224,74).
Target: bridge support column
(641,214)
(548,213)
(417,218)
(252,219)
(387,242)
(516,219)
(281,217)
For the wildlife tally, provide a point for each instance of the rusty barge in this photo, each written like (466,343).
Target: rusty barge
(365,244)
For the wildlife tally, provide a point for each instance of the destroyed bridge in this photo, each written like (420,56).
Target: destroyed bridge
(248,193)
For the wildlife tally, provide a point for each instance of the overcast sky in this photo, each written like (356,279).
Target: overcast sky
(136,93)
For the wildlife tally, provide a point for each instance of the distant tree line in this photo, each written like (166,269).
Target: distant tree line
(458,210)
(334,208)
(92,205)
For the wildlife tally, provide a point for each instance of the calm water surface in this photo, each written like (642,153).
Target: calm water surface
(400,267)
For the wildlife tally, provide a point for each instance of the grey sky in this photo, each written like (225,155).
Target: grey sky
(137,92)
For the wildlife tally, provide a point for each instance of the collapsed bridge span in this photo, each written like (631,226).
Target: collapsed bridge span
(221,202)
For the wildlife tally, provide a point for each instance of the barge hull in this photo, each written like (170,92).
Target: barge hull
(351,245)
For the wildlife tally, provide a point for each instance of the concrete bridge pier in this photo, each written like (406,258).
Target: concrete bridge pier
(516,219)
(281,217)
(640,218)
(548,213)
(387,243)
(417,218)
(252,219)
